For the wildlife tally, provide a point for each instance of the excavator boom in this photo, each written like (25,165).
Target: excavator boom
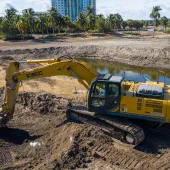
(53,67)
(90,79)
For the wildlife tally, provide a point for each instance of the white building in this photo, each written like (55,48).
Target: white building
(72,8)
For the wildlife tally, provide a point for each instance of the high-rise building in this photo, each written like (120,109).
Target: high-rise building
(72,8)
(91,3)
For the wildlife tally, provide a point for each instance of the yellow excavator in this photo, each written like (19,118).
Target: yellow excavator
(112,101)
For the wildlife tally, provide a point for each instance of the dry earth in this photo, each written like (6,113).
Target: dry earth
(40,112)
(140,51)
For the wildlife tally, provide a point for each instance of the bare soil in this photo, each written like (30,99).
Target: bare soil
(133,50)
(40,114)
(68,145)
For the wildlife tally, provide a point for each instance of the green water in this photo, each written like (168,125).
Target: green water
(137,74)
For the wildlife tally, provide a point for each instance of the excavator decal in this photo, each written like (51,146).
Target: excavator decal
(39,73)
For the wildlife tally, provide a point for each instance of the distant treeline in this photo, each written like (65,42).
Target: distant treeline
(15,26)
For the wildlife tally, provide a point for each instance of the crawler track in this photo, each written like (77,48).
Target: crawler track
(115,127)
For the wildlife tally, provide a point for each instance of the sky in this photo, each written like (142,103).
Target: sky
(129,9)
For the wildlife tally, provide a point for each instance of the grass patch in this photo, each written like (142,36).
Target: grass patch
(167,31)
(93,31)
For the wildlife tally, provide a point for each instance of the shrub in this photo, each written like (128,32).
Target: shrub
(167,31)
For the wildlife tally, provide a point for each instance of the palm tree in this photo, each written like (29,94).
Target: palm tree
(124,24)
(82,22)
(59,22)
(29,16)
(111,21)
(67,22)
(10,13)
(164,22)
(41,20)
(22,26)
(118,20)
(53,17)
(156,15)
(89,11)
(130,23)
(47,23)
(102,24)
(8,28)
(91,21)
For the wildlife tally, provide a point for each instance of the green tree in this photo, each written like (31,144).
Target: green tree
(8,27)
(118,20)
(89,11)
(102,24)
(91,22)
(53,17)
(156,15)
(41,23)
(169,23)
(146,24)
(164,22)
(22,26)
(138,25)
(111,21)
(47,23)
(130,23)
(10,13)
(67,23)
(28,14)
(124,24)
(59,22)
(82,21)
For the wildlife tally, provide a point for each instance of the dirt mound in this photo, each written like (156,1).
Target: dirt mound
(1,95)
(42,102)
(69,145)
(149,57)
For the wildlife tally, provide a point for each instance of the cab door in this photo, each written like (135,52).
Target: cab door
(98,97)
(104,96)
(113,96)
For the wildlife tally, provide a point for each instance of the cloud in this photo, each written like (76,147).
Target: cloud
(134,9)
(5,4)
(140,9)
(43,5)
(8,5)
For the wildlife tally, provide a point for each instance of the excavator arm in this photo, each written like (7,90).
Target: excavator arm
(51,67)
(116,127)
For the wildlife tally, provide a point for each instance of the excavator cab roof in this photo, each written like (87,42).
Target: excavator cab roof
(110,78)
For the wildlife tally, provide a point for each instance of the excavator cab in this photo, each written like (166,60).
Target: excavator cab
(105,93)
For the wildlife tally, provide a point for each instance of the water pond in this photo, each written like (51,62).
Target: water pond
(137,74)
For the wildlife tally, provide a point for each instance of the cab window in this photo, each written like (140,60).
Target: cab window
(99,89)
(113,90)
